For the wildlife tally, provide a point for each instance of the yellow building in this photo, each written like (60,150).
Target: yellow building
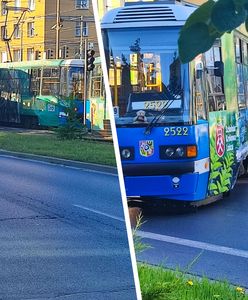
(31,27)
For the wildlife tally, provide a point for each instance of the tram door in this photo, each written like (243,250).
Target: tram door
(200,89)
(241,60)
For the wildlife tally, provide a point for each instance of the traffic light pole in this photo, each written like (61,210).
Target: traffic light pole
(85,77)
(57,29)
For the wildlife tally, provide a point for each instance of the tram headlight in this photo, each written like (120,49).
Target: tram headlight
(127,153)
(180,152)
(177,151)
(170,152)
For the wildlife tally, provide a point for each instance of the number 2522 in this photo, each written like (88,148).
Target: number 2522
(173,131)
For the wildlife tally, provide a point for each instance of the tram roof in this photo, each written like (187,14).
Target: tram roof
(152,14)
(52,63)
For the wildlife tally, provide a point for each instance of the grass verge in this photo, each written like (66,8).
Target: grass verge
(160,283)
(49,145)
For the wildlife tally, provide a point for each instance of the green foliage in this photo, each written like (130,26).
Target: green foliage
(221,170)
(210,21)
(139,246)
(226,15)
(73,128)
(158,283)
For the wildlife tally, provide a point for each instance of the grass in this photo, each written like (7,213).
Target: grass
(160,283)
(50,145)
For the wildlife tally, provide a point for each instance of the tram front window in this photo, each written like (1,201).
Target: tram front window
(146,76)
(72,83)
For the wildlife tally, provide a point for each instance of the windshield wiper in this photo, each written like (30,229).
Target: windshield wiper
(158,116)
(154,121)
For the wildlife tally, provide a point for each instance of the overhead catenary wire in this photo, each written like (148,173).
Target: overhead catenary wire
(41,41)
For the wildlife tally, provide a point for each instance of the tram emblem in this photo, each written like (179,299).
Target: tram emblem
(146,148)
(220,140)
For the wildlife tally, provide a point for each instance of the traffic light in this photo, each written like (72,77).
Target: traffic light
(90,60)
(65,52)
(49,53)
(38,55)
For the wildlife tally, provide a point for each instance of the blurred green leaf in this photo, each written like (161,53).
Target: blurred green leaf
(227,16)
(209,22)
(201,14)
(193,41)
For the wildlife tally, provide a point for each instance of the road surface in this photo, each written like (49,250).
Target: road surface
(218,234)
(62,234)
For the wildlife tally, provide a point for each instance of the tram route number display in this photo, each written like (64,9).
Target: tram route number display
(176,131)
(155,105)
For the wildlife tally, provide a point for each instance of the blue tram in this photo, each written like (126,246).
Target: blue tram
(182,128)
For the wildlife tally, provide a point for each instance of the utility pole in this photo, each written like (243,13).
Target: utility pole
(21,29)
(81,38)
(58,27)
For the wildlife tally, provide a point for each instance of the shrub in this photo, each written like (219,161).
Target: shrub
(73,128)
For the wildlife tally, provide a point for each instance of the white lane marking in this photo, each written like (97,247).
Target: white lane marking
(58,164)
(194,244)
(99,212)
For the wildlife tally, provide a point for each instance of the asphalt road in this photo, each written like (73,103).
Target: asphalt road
(62,234)
(215,238)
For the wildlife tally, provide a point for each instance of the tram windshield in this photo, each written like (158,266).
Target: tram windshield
(145,76)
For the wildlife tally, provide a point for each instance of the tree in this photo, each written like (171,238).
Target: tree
(209,22)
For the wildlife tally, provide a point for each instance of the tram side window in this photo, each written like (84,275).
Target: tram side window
(215,84)
(63,82)
(199,90)
(71,83)
(50,81)
(10,85)
(242,70)
(35,81)
(96,82)
(24,80)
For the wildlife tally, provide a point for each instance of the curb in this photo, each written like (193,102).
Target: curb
(61,161)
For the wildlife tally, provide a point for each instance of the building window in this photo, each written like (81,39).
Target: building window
(17,55)
(3,8)
(85,29)
(30,54)
(82,4)
(3,32)
(4,57)
(17,31)
(31,4)
(30,32)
